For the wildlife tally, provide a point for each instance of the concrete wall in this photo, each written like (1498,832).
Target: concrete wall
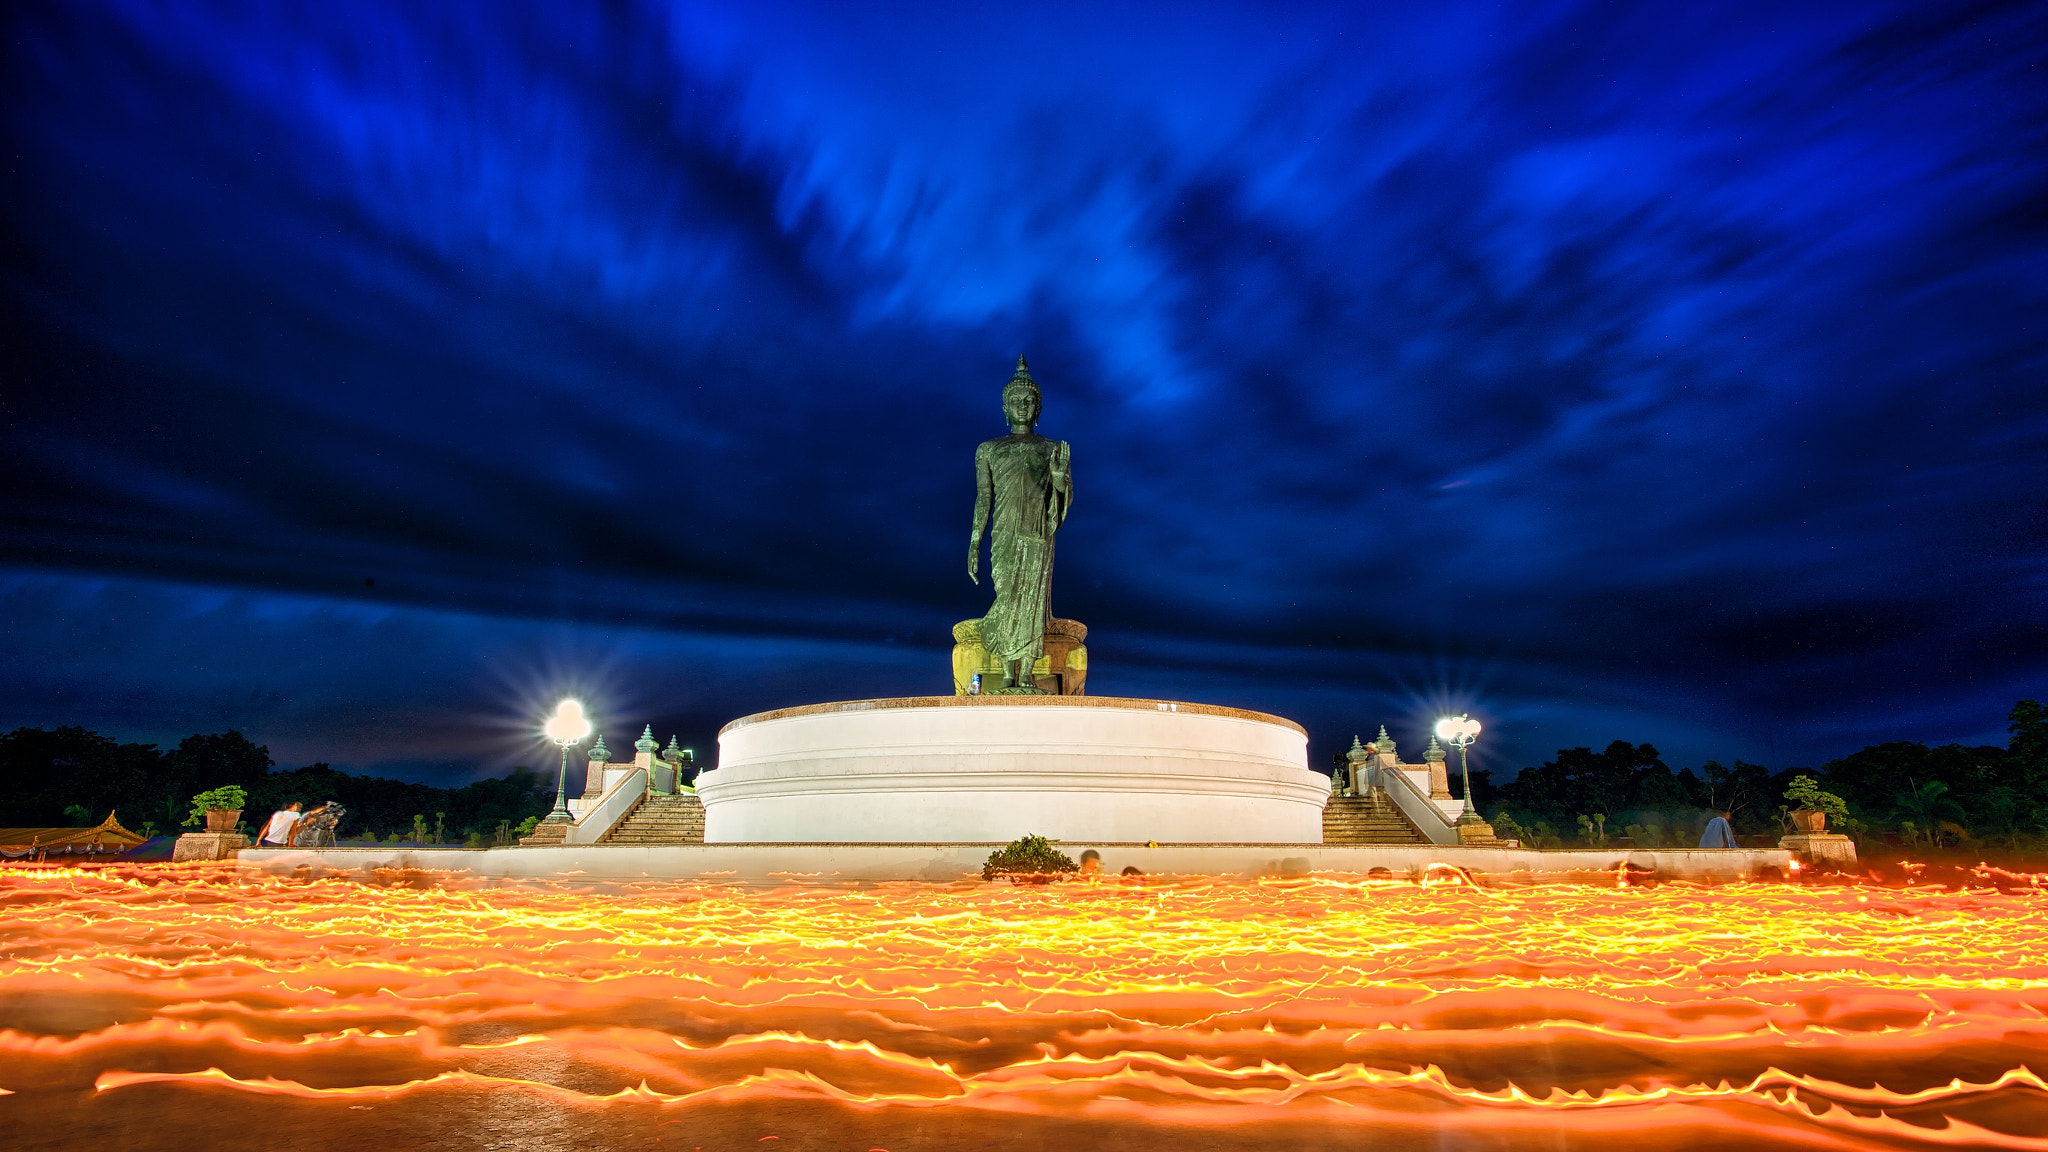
(847,863)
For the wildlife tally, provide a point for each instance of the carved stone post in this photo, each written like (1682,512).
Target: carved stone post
(1439,778)
(593,777)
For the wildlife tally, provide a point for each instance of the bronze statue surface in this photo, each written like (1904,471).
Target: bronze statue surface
(1023,485)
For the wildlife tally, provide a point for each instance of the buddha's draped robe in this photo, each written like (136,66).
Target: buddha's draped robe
(1026,484)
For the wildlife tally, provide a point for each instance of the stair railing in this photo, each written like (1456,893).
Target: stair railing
(1415,804)
(615,805)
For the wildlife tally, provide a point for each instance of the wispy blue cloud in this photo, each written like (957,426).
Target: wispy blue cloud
(1679,371)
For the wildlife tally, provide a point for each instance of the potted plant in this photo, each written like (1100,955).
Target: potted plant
(220,808)
(1028,860)
(1814,805)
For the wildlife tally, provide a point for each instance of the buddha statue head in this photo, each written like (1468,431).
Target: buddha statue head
(1021,399)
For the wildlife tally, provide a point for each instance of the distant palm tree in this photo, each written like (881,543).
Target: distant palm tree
(1927,806)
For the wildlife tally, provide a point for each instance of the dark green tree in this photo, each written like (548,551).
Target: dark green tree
(221,758)
(1877,780)
(2026,764)
(379,806)
(2028,727)
(1485,793)
(1581,780)
(198,763)
(44,773)
(1745,791)
(1874,779)
(1926,808)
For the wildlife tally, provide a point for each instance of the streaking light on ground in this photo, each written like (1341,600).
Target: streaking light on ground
(1269,1016)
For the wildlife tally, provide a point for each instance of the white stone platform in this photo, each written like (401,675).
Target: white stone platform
(953,769)
(840,864)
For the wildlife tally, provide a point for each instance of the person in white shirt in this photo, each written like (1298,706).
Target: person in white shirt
(279,830)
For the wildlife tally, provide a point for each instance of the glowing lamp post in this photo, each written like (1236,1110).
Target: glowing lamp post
(1461,730)
(567,726)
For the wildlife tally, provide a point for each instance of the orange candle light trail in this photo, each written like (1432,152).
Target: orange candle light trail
(241,1011)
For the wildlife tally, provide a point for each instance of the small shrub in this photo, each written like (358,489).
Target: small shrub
(1028,856)
(228,798)
(1504,827)
(527,826)
(1593,831)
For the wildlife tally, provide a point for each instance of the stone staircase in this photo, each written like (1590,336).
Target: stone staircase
(661,819)
(1369,819)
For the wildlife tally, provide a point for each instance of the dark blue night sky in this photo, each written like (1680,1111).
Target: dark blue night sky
(1671,373)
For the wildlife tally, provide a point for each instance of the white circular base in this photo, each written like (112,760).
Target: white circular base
(954,769)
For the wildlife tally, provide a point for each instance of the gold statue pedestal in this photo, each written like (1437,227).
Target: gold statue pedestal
(1062,671)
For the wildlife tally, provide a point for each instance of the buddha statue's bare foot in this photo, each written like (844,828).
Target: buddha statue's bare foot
(1017,681)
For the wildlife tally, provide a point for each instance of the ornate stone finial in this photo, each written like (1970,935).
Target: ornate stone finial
(674,752)
(646,744)
(599,752)
(1021,380)
(1385,743)
(1435,755)
(1357,752)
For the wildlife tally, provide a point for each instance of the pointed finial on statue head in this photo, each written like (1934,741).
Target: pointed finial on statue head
(1021,381)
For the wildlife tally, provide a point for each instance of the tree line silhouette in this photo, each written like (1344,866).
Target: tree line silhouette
(73,776)
(1902,790)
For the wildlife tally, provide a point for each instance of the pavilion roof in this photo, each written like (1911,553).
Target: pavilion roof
(108,832)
